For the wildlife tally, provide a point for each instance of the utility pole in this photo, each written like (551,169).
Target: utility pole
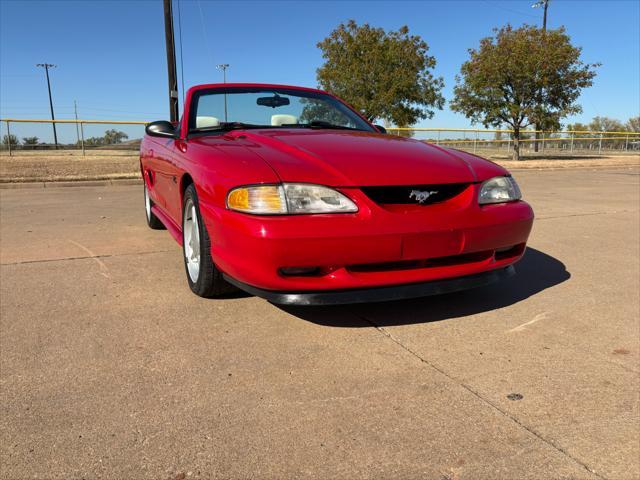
(171,62)
(223,67)
(46,67)
(75,111)
(545,5)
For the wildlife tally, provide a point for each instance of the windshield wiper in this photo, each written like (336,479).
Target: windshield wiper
(225,127)
(320,124)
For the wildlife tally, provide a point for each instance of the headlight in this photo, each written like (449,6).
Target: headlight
(289,198)
(499,190)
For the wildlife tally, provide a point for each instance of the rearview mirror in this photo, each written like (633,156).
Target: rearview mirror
(380,128)
(273,102)
(161,128)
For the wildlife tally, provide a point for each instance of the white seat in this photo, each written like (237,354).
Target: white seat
(205,122)
(282,119)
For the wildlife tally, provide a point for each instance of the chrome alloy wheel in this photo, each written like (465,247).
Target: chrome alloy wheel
(147,202)
(191,239)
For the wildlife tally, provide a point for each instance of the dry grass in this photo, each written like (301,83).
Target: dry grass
(570,162)
(68,165)
(46,166)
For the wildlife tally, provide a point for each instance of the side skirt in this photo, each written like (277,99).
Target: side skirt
(172,227)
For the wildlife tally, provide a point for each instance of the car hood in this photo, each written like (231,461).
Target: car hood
(350,158)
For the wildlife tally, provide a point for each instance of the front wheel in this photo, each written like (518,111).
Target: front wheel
(205,280)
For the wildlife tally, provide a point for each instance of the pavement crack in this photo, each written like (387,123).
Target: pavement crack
(586,214)
(484,400)
(94,257)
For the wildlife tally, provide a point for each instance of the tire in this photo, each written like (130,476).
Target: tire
(153,221)
(204,278)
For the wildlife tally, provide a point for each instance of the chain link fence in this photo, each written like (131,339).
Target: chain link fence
(95,137)
(498,143)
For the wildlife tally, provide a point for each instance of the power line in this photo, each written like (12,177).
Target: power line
(510,9)
(204,32)
(18,75)
(126,110)
(70,109)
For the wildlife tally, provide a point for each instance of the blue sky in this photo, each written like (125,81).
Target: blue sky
(111,58)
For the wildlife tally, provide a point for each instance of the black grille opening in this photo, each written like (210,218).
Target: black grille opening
(508,252)
(452,260)
(414,194)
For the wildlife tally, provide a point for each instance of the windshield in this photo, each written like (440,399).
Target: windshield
(237,107)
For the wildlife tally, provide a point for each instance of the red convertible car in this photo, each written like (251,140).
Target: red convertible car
(290,194)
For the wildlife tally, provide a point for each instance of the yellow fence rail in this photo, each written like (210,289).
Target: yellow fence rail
(103,122)
(571,137)
(488,130)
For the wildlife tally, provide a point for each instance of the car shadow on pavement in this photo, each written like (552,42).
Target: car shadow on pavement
(535,272)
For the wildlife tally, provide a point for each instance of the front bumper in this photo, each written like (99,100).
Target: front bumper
(376,247)
(379,294)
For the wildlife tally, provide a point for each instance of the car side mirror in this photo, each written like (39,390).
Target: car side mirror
(380,128)
(161,128)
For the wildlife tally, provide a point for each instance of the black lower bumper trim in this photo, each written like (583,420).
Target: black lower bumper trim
(376,294)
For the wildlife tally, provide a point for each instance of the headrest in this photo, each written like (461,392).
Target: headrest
(204,122)
(277,120)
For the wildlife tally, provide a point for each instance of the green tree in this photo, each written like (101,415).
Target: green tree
(94,141)
(606,124)
(10,139)
(633,124)
(384,75)
(581,140)
(316,109)
(30,142)
(519,76)
(578,127)
(114,136)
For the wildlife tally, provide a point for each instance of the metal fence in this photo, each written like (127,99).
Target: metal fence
(25,136)
(105,136)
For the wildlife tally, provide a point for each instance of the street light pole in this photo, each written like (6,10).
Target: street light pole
(223,67)
(545,5)
(47,66)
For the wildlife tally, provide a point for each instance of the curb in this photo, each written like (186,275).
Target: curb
(138,180)
(576,167)
(77,183)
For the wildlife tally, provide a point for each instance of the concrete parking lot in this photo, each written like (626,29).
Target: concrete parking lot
(111,368)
